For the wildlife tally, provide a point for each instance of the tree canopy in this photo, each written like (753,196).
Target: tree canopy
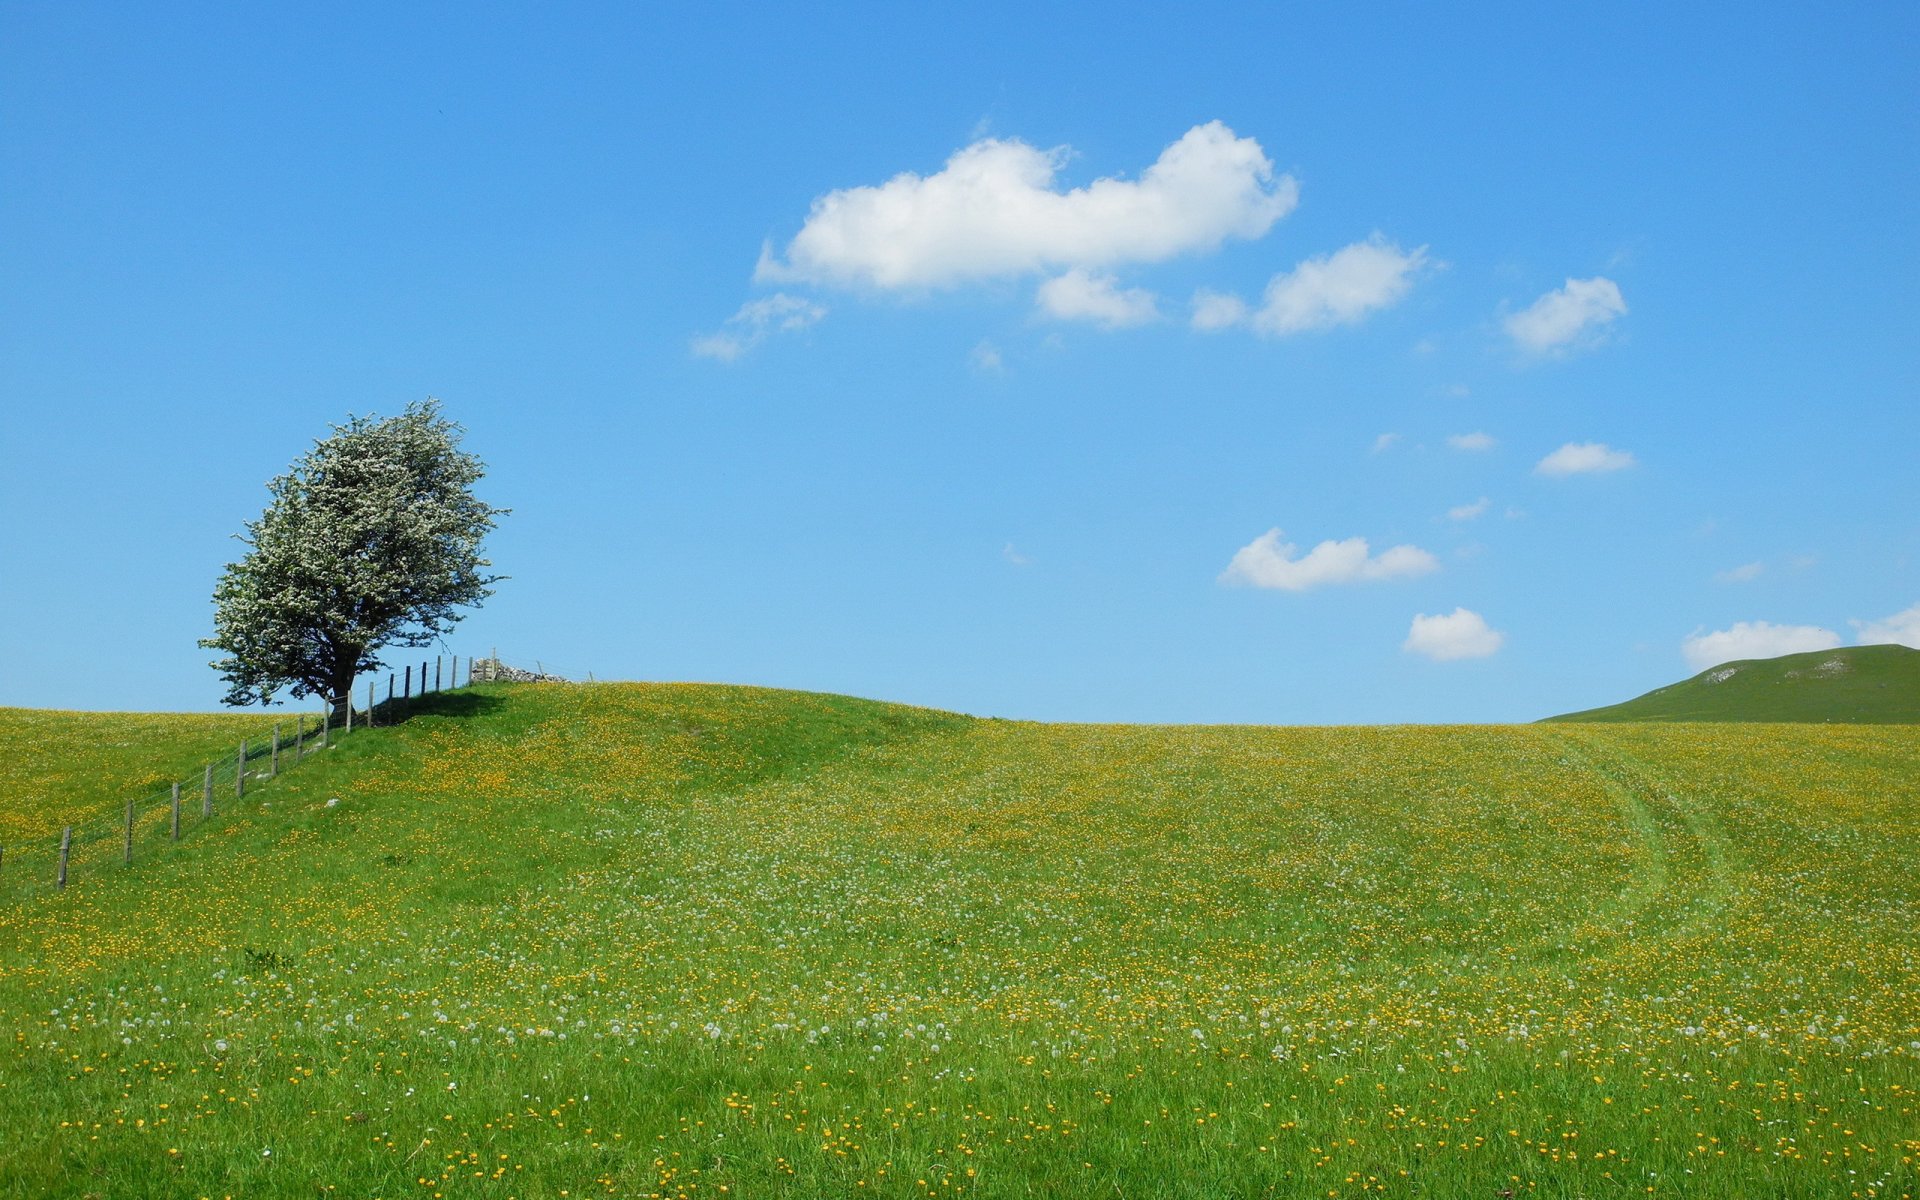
(371,539)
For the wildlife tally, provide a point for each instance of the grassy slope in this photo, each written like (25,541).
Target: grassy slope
(63,768)
(1871,685)
(652,939)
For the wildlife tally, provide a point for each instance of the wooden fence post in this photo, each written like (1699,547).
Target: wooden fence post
(369,704)
(436,672)
(240,772)
(176,812)
(276,748)
(299,737)
(406,684)
(206,793)
(390,678)
(349,703)
(127,855)
(66,845)
(326,727)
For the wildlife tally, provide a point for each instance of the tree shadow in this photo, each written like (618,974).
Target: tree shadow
(436,704)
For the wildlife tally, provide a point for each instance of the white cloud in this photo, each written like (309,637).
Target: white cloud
(1467,512)
(1267,562)
(1744,573)
(1214,311)
(1081,295)
(778,313)
(1568,317)
(1754,639)
(1338,288)
(986,357)
(1584,458)
(1471,441)
(1014,556)
(1385,441)
(994,211)
(1460,634)
(1900,629)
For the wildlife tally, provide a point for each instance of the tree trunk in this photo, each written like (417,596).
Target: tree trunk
(340,688)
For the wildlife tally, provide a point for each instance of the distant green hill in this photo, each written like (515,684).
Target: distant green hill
(1860,685)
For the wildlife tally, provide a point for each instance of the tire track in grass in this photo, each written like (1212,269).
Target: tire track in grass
(1690,868)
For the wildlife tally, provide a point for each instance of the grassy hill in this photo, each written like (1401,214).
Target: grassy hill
(63,768)
(1858,685)
(687,941)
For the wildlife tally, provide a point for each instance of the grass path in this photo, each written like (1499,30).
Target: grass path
(1688,870)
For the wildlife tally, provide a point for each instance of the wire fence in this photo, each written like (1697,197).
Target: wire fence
(156,819)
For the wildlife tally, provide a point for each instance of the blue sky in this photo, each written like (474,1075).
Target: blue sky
(970,355)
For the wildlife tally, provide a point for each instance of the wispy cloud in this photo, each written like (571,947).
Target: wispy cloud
(1471,442)
(1450,637)
(1900,629)
(1217,310)
(1467,512)
(1584,458)
(1081,295)
(1341,288)
(985,357)
(1385,442)
(1268,562)
(1744,573)
(778,313)
(1568,318)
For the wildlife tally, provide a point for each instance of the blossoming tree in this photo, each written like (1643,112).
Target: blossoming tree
(371,539)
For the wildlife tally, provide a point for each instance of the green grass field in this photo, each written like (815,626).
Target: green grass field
(691,941)
(1857,685)
(64,768)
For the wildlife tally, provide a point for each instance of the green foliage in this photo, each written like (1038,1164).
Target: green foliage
(372,539)
(665,940)
(1871,685)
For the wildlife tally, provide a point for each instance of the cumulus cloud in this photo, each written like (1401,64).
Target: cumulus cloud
(1467,512)
(1471,441)
(994,210)
(1754,639)
(1081,295)
(1341,288)
(1385,442)
(1584,458)
(1568,317)
(1338,288)
(1214,311)
(1744,573)
(1448,637)
(1268,562)
(1900,629)
(985,357)
(778,313)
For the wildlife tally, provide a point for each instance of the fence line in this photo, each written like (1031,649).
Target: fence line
(158,818)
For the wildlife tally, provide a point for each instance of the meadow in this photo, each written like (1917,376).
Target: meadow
(691,941)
